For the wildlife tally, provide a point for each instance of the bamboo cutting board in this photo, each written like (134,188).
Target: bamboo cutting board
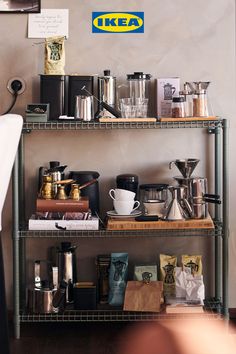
(126,120)
(189,119)
(131,224)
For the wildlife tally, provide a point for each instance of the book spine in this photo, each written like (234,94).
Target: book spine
(79,215)
(54,205)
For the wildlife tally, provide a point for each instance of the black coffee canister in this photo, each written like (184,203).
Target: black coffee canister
(91,191)
(127,181)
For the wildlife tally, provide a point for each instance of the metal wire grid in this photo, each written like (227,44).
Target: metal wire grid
(113,316)
(93,125)
(217,232)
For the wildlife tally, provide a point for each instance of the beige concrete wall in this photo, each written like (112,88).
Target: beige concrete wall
(189,39)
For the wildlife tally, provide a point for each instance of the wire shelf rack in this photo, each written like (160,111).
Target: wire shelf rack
(102,233)
(94,125)
(113,316)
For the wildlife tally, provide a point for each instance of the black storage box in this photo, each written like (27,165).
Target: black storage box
(54,90)
(85,296)
(76,83)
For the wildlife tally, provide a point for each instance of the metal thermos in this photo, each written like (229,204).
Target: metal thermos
(67,267)
(106,93)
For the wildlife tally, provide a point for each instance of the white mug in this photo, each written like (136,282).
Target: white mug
(121,194)
(123,207)
(154,207)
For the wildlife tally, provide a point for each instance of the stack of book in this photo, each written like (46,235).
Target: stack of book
(181,305)
(184,308)
(68,214)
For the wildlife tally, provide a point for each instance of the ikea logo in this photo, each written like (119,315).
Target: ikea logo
(118,22)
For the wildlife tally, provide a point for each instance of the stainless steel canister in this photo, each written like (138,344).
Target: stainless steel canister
(107,88)
(198,189)
(200,210)
(84,107)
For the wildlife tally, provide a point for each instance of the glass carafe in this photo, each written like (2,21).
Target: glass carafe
(139,88)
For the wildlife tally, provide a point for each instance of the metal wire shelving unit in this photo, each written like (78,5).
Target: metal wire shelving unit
(94,125)
(216,307)
(114,316)
(103,233)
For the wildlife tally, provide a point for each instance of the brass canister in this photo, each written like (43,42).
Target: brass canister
(75,192)
(61,193)
(46,191)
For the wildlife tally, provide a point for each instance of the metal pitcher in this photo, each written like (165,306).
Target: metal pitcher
(84,107)
(40,296)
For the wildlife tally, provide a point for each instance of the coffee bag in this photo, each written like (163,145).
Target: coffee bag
(54,56)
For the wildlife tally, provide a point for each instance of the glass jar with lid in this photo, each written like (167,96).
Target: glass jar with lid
(187,93)
(178,107)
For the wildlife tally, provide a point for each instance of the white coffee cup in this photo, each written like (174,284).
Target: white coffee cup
(154,207)
(124,207)
(121,194)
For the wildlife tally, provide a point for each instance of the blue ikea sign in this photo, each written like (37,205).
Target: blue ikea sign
(118,22)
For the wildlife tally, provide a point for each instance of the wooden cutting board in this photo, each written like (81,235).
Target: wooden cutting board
(131,224)
(126,120)
(189,119)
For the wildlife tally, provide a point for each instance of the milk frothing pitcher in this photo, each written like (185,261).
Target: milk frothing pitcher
(84,107)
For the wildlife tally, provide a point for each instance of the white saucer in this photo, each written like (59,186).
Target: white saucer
(114,214)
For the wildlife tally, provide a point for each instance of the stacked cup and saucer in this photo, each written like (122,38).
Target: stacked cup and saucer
(124,204)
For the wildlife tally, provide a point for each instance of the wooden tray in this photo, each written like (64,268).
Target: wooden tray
(126,120)
(131,224)
(189,119)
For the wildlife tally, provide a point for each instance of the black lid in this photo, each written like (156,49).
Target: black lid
(53,164)
(65,246)
(75,77)
(127,177)
(45,284)
(107,72)
(178,99)
(63,284)
(94,174)
(138,75)
(156,186)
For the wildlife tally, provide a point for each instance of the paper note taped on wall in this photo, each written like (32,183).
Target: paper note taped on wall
(48,23)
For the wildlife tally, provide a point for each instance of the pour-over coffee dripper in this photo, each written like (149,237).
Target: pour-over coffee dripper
(185,166)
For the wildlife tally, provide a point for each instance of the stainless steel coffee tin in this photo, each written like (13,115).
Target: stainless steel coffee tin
(84,107)
(199,210)
(198,189)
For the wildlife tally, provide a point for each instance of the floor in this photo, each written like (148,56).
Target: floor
(71,338)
